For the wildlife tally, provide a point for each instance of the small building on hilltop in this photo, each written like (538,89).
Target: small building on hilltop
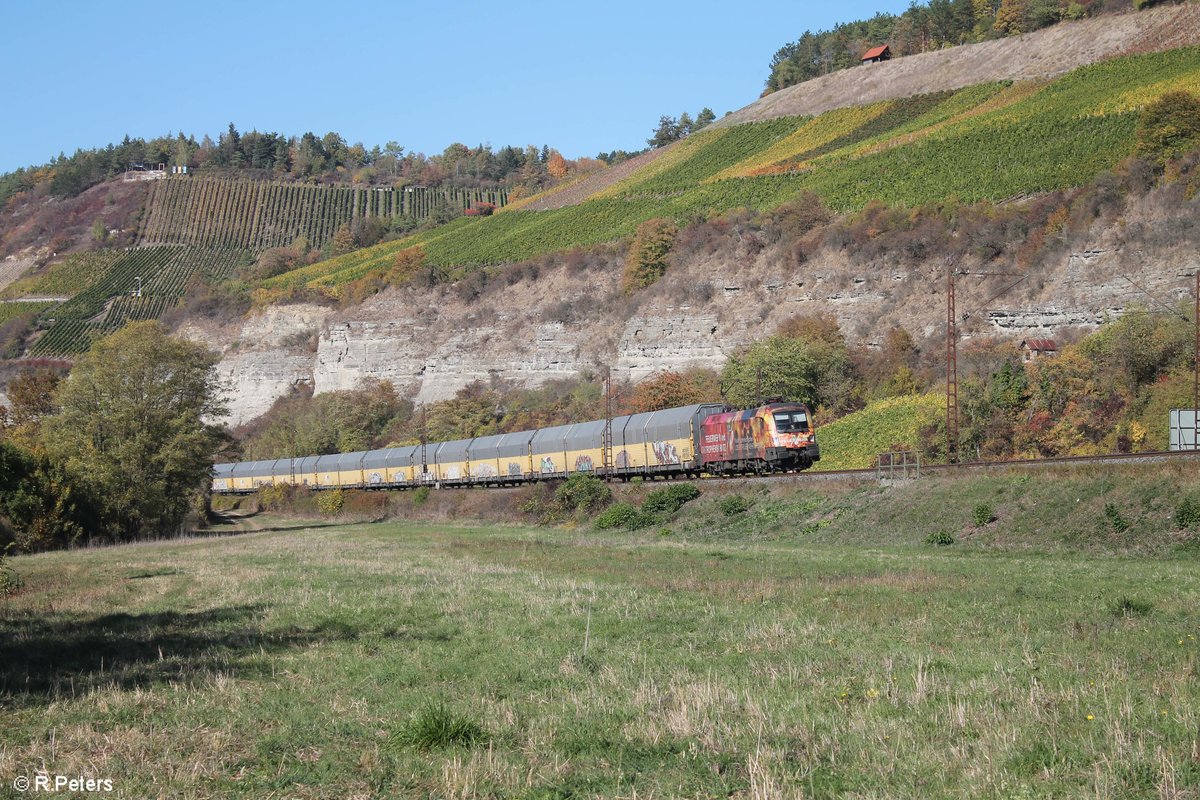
(1033,349)
(876,54)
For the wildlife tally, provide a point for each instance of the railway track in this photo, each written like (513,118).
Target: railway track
(912,471)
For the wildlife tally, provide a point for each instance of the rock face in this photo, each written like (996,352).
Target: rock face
(264,357)
(433,362)
(677,340)
(256,379)
(566,320)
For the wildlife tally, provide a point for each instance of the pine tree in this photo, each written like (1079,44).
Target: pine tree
(666,132)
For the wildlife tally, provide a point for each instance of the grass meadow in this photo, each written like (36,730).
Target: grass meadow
(434,660)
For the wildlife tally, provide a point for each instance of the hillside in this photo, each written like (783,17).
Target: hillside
(258,215)
(841,198)
(179,235)
(1041,54)
(991,141)
(1031,57)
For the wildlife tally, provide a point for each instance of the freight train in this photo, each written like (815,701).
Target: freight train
(708,438)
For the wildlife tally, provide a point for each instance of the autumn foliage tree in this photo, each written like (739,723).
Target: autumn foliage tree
(670,389)
(407,264)
(32,397)
(1169,127)
(1011,17)
(343,240)
(556,165)
(647,258)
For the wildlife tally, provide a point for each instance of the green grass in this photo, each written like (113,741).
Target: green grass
(431,660)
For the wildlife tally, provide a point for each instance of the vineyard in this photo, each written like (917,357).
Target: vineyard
(986,142)
(107,302)
(856,440)
(13,309)
(71,275)
(257,215)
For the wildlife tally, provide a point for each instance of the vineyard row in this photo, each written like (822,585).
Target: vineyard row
(258,215)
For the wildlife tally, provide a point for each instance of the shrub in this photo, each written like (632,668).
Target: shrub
(618,515)
(10,581)
(1187,515)
(370,505)
(436,727)
(585,493)
(732,505)
(1129,607)
(647,258)
(272,498)
(639,521)
(1114,518)
(421,495)
(982,514)
(940,538)
(330,502)
(669,500)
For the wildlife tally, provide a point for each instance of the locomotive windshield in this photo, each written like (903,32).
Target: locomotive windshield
(791,421)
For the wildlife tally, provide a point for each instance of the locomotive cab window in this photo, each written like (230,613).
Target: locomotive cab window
(791,421)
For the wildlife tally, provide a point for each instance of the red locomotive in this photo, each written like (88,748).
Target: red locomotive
(776,437)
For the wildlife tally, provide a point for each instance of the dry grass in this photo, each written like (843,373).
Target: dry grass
(290,663)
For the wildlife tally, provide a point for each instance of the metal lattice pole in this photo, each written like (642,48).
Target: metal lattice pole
(951,370)
(606,454)
(424,442)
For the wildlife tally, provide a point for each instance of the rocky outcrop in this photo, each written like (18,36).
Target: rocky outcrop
(432,362)
(264,357)
(564,320)
(650,344)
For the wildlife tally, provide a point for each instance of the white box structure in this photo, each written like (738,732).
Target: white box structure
(1183,429)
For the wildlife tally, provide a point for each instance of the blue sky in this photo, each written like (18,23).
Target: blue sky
(580,77)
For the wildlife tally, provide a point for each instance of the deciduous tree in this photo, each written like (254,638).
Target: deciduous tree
(775,367)
(670,389)
(135,426)
(556,166)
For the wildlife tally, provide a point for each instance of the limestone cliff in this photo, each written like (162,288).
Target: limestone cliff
(430,342)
